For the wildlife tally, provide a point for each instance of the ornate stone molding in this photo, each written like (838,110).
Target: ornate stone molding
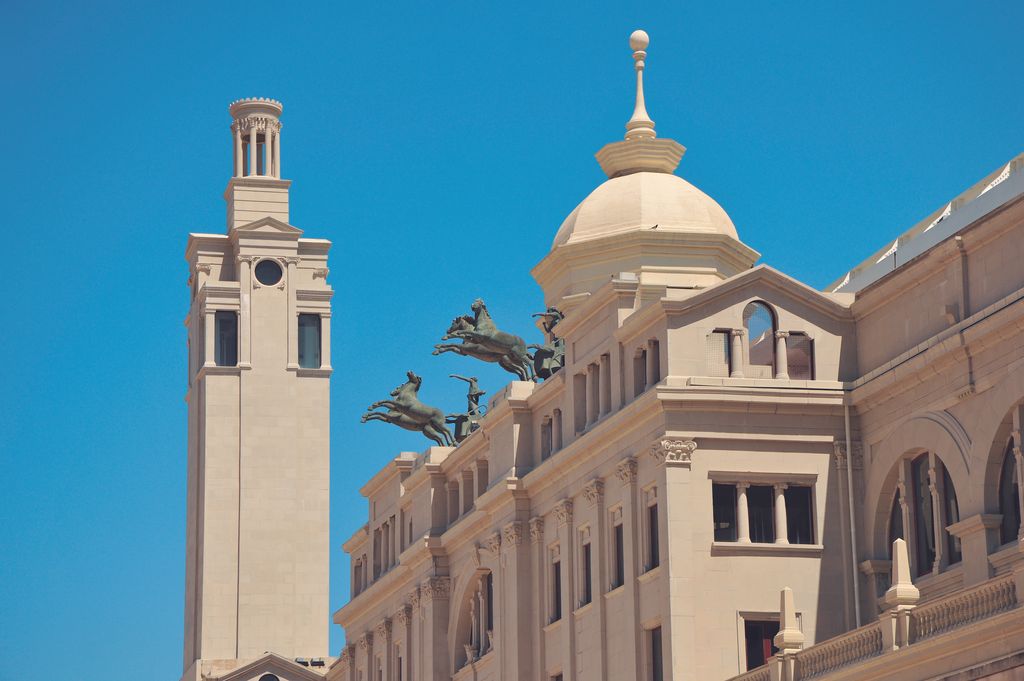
(292,260)
(383,631)
(404,615)
(626,470)
(673,451)
(435,589)
(365,641)
(414,599)
(203,267)
(536,529)
(347,657)
(321,273)
(493,543)
(839,459)
(512,534)
(563,511)
(593,491)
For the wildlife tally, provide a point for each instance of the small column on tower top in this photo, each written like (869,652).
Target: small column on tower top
(256,189)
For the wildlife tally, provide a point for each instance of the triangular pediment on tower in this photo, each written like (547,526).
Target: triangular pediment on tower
(269,225)
(280,667)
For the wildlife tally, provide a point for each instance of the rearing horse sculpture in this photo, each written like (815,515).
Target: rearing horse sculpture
(485,336)
(477,350)
(406,411)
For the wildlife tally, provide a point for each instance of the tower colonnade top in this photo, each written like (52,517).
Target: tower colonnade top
(256,130)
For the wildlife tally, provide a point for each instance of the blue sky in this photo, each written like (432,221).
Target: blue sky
(439,146)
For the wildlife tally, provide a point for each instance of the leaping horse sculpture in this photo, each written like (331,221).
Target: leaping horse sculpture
(482,339)
(406,411)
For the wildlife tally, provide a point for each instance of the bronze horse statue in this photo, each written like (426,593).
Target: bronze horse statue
(406,411)
(482,339)
(477,350)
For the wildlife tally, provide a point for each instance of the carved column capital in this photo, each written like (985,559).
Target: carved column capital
(404,614)
(383,631)
(737,332)
(563,511)
(839,447)
(673,451)
(414,599)
(493,543)
(593,491)
(365,641)
(782,334)
(536,529)
(626,470)
(512,534)
(436,589)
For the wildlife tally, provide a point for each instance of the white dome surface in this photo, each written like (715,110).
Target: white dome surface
(638,201)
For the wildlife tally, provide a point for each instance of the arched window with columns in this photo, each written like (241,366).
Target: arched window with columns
(924,505)
(759,324)
(1009,496)
(476,620)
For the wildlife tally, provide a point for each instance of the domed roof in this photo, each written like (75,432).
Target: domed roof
(639,201)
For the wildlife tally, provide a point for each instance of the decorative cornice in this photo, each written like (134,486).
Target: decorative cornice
(436,589)
(563,511)
(512,534)
(626,470)
(536,529)
(383,632)
(673,452)
(593,491)
(493,543)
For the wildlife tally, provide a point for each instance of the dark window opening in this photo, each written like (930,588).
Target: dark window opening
(723,501)
(761,513)
(895,521)
(556,591)
(950,516)
(654,553)
(924,519)
(587,574)
(618,547)
(760,643)
(489,591)
(226,337)
(309,341)
(1009,498)
(800,356)
(657,667)
(799,515)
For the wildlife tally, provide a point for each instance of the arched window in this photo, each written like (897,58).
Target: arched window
(759,323)
(269,677)
(477,620)
(1009,497)
(933,507)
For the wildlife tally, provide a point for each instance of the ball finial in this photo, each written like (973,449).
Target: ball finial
(638,40)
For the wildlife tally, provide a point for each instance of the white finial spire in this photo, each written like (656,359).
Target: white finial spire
(640,126)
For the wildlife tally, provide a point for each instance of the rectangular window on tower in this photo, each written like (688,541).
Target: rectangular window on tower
(225,349)
(309,341)
(723,500)
(799,515)
(653,550)
(761,511)
(556,590)
(586,575)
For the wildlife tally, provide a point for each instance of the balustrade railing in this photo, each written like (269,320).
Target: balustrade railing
(841,651)
(985,600)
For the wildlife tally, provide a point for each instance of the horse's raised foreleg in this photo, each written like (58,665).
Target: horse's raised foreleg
(390,404)
(374,416)
(447,347)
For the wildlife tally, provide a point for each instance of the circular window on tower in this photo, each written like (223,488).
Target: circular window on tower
(268,272)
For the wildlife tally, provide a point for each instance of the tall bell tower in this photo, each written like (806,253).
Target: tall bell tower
(258,420)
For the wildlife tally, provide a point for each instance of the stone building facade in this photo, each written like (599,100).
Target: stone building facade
(719,434)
